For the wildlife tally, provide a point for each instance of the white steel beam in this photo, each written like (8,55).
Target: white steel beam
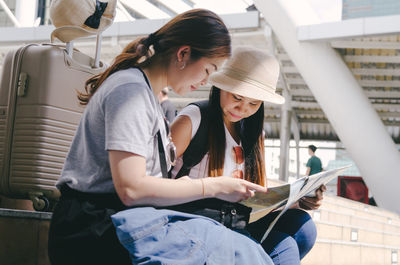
(138,27)
(350,28)
(123,14)
(357,58)
(376,71)
(177,6)
(372,58)
(379,83)
(341,97)
(363,83)
(377,106)
(357,44)
(356,71)
(145,8)
(289,69)
(9,13)
(370,93)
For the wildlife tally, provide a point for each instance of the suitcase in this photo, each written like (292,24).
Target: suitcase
(39,113)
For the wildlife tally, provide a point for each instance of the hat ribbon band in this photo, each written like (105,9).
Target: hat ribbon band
(242,76)
(94,20)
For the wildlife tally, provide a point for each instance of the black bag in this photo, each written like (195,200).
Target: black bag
(232,215)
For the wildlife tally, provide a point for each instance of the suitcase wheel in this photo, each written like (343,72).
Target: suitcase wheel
(40,203)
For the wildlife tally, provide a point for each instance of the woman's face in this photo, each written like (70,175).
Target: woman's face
(193,75)
(235,107)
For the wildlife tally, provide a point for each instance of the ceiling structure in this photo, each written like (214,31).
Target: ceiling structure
(374,61)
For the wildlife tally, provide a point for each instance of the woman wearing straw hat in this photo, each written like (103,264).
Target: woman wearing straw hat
(234,147)
(120,156)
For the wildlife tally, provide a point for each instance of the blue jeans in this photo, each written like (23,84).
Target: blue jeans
(290,239)
(169,237)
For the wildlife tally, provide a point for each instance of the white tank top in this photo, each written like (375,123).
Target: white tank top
(201,170)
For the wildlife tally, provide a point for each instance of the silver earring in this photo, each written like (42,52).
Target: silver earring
(183,65)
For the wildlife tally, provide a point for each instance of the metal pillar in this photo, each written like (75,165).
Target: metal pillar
(285,138)
(296,136)
(342,100)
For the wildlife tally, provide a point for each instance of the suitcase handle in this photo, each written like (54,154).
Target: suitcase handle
(98,50)
(96,62)
(74,59)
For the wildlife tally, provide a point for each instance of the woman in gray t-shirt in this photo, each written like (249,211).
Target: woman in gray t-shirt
(121,152)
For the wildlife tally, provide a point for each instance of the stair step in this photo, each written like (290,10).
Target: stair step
(337,252)
(350,233)
(355,219)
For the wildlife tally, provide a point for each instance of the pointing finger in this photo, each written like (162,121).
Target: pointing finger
(255,187)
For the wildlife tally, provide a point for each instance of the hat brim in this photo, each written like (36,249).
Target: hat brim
(69,33)
(244,88)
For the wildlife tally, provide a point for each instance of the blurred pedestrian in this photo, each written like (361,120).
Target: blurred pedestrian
(314,164)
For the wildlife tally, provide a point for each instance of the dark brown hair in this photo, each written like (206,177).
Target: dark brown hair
(312,147)
(250,131)
(200,29)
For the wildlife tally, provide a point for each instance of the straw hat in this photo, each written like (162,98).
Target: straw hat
(250,73)
(80,18)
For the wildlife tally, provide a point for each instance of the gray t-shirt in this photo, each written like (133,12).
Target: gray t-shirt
(122,115)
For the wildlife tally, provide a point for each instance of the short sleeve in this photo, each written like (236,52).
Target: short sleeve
(193,112)
(129,119)
(308,163)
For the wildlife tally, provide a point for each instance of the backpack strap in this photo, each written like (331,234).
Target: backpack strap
(161,152)
(198,146)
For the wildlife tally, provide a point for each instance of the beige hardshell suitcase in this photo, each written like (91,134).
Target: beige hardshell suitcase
(39,112)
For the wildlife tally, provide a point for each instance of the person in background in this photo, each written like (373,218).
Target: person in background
(314,164)
(166,105)
(234,143)
(116,171)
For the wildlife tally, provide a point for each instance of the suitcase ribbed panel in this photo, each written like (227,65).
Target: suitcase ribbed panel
(2,133)
(40,146)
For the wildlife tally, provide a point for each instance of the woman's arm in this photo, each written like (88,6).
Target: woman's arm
(135,188)
(181,133)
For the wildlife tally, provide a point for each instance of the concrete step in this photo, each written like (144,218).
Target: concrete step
(347,212)
(344,218)
(361,209)
(337,252)
(350,233)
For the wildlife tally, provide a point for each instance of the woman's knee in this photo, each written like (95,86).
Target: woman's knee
(301,227)
(306,233)
(306,237)
(285,251)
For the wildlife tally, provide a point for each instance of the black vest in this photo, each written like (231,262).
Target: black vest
(198,146)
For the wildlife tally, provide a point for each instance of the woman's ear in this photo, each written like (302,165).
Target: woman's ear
(183,54)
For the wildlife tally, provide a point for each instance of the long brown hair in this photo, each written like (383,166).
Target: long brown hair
(201,29)
(250,131)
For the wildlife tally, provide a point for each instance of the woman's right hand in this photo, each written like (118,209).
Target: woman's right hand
(230,189)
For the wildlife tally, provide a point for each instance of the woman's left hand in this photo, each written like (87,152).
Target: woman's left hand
(313,203)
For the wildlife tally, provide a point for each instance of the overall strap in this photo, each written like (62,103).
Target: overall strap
(161,152)
(198,146)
